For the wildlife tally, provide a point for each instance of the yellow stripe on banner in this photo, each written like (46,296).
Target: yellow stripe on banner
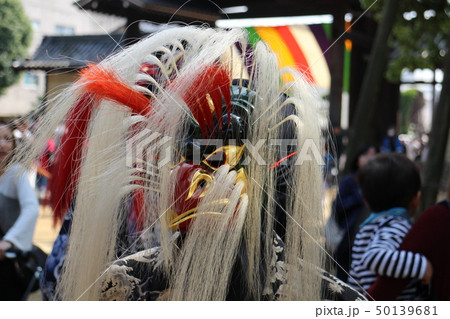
(314,55)
(273,39)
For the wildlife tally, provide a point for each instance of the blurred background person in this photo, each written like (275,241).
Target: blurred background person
(349,210)
(390,184)
(338,139)
(391,142)
(22,132)
(43,168)
(19,209)
(429,236)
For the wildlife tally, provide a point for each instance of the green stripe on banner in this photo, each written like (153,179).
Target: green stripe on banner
(253,36)
(347,61)
(328,28)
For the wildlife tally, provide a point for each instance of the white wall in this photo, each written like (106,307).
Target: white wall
(45,15)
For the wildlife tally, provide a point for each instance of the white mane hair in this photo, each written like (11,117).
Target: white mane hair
(201,269)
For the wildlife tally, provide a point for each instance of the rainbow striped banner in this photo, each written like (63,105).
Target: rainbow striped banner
(300,46)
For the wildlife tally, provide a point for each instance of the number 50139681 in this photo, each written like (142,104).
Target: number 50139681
(406,310)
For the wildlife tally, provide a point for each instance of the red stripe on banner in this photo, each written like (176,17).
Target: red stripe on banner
(296,51)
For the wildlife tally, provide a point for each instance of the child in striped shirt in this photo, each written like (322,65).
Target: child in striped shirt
(390,184)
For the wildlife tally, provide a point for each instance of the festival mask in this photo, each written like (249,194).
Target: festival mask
(196,172)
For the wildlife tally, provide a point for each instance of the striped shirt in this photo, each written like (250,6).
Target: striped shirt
(375,253)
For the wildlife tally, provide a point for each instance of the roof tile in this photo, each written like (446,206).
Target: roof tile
(71,52)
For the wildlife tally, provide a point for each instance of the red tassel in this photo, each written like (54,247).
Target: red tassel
(65,171)
(99,83)
(106,85)
(138,209)
(212,81)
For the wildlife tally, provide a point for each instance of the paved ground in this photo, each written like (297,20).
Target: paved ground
(44,236)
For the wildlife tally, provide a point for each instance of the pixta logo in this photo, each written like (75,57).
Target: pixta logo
(148,146)
(155,148)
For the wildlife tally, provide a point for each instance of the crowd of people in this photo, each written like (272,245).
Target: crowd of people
(152,207)
(382,252)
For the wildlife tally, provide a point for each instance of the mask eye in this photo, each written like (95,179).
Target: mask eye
(200,181)
(216,159)
(229,154)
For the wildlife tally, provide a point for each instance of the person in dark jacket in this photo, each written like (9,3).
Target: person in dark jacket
(349,210)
